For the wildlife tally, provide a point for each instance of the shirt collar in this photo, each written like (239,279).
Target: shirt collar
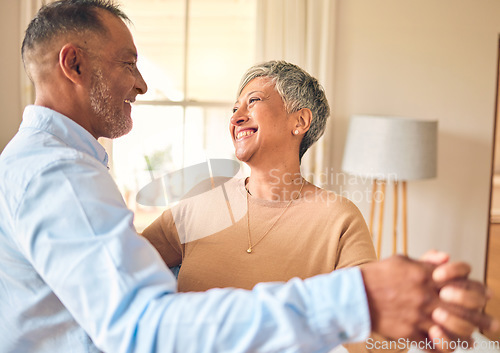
(68,131)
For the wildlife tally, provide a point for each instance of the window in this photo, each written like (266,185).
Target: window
(192,54)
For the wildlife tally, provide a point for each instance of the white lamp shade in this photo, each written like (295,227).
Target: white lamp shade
(391,148)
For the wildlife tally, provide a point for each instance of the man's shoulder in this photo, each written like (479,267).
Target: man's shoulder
(27,151)
(28,155)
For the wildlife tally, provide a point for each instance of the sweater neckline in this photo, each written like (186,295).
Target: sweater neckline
(263,202)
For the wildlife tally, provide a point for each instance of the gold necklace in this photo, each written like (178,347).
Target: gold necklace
(250,246)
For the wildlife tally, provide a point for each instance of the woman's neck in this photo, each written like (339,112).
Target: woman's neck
(279,184)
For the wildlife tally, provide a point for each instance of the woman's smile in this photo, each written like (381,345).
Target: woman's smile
(244,133)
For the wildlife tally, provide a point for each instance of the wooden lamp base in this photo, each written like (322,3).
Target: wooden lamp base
(379,202)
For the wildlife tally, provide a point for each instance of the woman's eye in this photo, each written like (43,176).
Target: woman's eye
(251,100)
(235,109)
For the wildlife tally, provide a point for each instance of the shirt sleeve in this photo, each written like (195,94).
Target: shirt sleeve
(77,233)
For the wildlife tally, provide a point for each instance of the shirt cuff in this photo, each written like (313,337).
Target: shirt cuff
(341,314)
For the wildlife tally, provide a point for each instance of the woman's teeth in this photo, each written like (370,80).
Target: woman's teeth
(244,133)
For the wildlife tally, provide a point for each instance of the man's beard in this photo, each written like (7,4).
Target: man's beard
(110,118)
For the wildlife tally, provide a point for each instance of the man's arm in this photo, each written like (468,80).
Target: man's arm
(76,232)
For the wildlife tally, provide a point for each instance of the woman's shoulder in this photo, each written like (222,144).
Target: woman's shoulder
(323,197)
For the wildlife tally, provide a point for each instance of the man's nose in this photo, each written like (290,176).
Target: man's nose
(140,84)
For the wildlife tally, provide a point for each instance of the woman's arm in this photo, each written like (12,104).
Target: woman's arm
(355,243)
(162,234)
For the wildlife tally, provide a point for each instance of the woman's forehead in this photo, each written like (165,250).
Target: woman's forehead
(263,83)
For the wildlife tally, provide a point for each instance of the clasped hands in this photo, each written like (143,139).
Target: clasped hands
(430,300)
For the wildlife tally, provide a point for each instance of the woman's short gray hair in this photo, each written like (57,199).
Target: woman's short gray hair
(298,90)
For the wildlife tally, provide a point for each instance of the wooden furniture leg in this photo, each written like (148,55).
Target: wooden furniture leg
(372,210)
(380,218)
(395,220)
(404,223)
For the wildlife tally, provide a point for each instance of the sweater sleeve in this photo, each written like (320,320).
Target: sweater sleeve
(162,234)
(356,248)
(355,243)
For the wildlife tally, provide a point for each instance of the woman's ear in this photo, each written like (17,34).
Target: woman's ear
(302,119)
(70,61)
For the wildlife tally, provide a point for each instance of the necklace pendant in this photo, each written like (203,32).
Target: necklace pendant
(249,250)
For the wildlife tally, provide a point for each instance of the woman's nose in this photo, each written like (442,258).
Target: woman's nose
(239,117)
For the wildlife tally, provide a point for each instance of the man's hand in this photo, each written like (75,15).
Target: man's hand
(461,302)
(401,296)
(429,299)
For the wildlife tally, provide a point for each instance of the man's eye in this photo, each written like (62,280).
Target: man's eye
(131,64)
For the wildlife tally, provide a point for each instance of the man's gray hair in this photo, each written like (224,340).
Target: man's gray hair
(298,90)
(67,16)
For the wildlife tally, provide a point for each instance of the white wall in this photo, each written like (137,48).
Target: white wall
(10,70)
(433,60)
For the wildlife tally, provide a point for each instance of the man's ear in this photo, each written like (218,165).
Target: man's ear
(302,119)
(71,60)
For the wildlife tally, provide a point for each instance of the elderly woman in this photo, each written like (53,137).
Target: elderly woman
(272,225)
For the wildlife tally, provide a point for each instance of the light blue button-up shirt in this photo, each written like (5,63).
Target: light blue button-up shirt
(76,277)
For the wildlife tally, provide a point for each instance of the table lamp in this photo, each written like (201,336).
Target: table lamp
(390,149)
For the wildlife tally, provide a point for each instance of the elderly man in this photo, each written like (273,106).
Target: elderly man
(76,277)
